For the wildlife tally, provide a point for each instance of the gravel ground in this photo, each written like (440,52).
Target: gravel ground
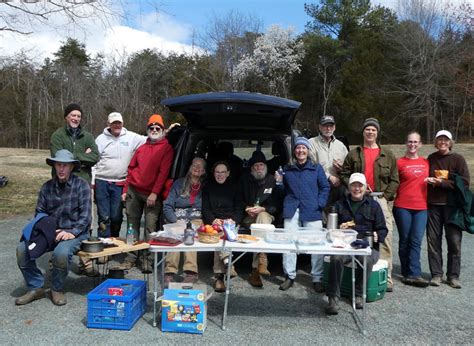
(433,315)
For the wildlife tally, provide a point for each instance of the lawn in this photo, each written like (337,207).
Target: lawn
(27,171)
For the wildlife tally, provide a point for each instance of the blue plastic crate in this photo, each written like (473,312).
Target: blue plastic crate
(107,311)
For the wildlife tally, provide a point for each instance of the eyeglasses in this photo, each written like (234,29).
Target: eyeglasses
(220,172)
(155,128)
(413,142)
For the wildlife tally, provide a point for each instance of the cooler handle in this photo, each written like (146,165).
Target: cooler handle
(383,276)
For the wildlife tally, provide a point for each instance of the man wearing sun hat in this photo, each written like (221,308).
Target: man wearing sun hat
(116,147)
(379,166)
(367,215)
(64,213)
(147,173)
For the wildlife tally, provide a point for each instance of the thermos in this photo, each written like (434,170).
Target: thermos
(369,237)
(332,219)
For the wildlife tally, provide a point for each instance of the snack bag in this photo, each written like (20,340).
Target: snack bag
(229,229)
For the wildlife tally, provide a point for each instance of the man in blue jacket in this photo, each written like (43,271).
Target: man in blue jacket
(66,198)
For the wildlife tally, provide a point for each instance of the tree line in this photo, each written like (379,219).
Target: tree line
(412,69)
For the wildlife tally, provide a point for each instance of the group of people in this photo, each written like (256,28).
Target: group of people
(122,166)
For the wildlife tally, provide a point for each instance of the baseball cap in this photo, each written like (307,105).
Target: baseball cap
(327,119)
(444,133)
(357,178)
(115,116)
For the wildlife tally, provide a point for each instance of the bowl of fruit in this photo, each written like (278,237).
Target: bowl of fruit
(209,234)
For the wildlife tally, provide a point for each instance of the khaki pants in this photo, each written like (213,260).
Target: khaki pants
(386,247)
(219,266)
(135,205)
(190,262)
(262,217)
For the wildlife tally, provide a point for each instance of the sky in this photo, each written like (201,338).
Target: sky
(166,25)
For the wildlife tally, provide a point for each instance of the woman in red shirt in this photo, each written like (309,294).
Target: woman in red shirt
(410,210)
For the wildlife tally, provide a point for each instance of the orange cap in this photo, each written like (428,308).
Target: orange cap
(156,119)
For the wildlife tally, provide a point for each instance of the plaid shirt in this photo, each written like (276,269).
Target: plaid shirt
(69,203)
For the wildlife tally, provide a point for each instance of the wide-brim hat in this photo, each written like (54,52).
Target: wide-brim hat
(64,156)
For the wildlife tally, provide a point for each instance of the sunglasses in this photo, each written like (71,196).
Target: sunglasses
(155,128)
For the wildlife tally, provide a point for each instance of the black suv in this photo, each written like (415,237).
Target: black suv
(230,126)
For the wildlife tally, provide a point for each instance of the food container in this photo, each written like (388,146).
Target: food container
(209,238)
(196,223)
(344,236)
(311,237)
(175,228)
(261,229)
(280,236)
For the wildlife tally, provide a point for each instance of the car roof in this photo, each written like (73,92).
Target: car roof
(235,110)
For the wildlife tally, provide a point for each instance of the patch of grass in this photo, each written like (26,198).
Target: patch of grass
(26,170)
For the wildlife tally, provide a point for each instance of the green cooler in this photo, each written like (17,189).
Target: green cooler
(376,284)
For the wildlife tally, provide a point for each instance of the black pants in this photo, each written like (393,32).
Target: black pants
(437,217)
(336,267)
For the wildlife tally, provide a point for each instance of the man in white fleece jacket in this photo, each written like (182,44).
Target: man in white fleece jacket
(116,147)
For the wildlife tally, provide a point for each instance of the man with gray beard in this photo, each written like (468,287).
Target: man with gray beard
(260,199)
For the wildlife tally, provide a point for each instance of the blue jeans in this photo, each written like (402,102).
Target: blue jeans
(411,226)
(289,260)
(61,259)
(108,196)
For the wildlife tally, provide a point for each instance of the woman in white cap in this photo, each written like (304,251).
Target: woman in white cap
(444,163)
(306,192)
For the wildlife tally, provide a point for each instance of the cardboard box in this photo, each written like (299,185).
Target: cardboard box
(184,308)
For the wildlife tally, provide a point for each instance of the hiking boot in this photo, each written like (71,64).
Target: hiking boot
(190,277)
(318,287)
(58,298)
(454,283)
(436,281)
(359,303)
(30,296)
(255,280)
(332,308)
(287,284)
(419,282)
(169,277)
(219,285)
(263,264)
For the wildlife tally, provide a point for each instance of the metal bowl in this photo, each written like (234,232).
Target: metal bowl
(92,246)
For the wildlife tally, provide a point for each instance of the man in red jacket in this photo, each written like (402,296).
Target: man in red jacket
(147,173)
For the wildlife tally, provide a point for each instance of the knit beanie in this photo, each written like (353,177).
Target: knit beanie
(156,119)
(257,156)
(72,107)
(371,122)
(302,141)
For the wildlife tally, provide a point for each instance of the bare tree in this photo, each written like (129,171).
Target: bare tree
(22,17)
(226,39)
